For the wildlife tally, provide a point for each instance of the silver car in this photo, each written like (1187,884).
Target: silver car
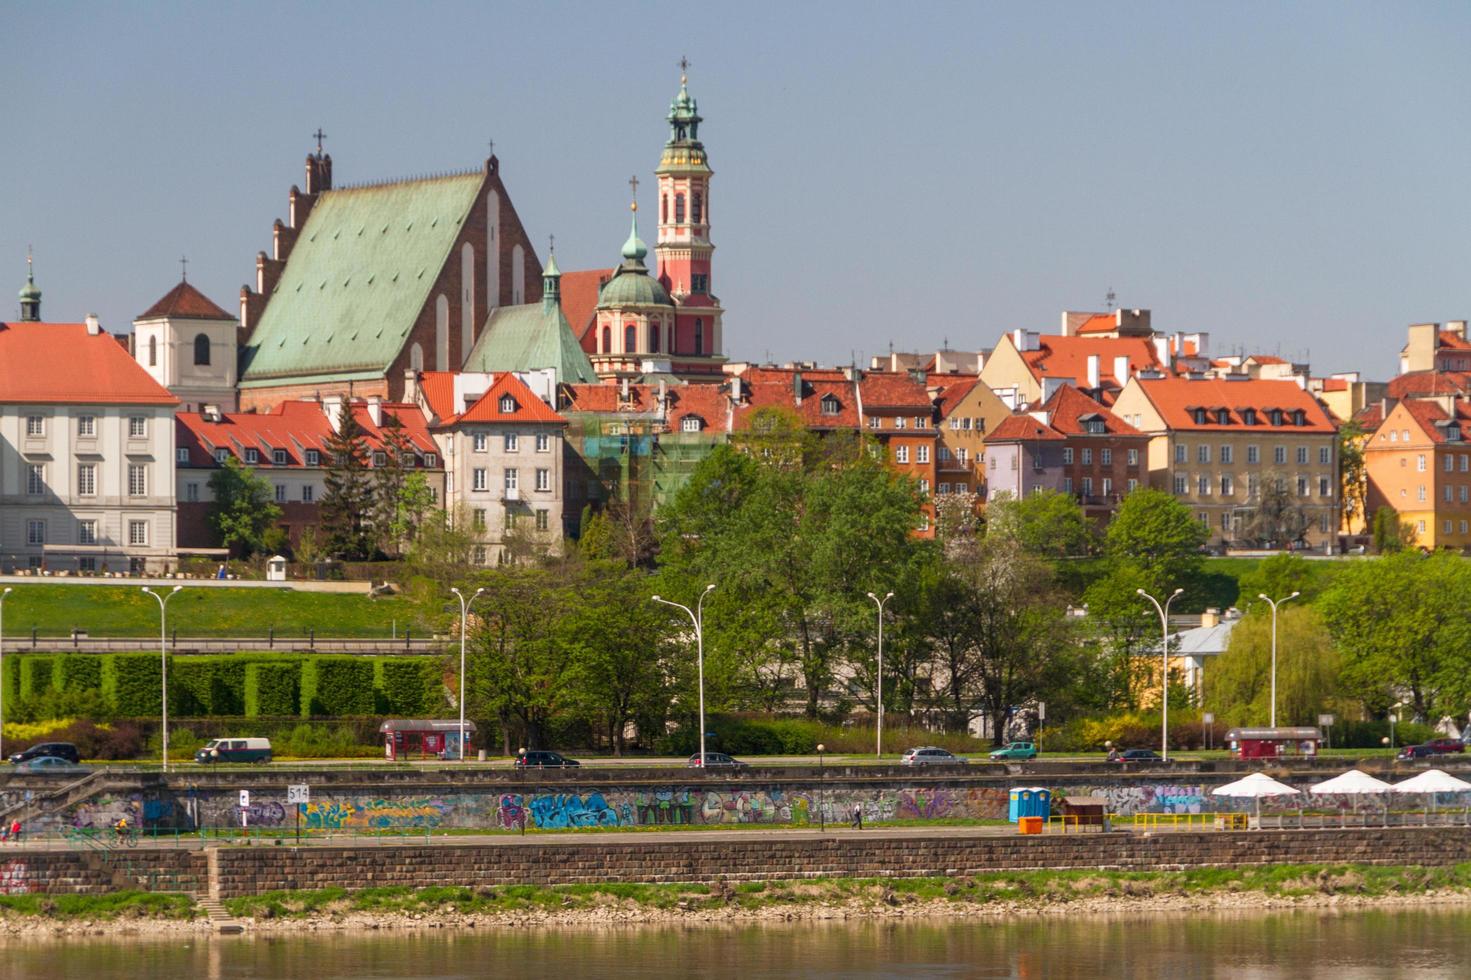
(928,755)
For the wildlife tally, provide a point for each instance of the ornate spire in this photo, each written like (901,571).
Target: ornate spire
(684,112)
(30,295)
(551,278)
(634,249)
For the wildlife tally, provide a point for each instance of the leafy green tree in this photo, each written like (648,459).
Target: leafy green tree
(1157,534)
(1277,519)
(1278,576)
(244,508)
(1238,685)
(1390,533)
(1120,627)
(391,523)
(444,545)
(1403,625)
(1049,524)
(1353,476)
(346,506)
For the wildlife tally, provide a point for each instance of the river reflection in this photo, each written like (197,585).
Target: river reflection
(1344,946)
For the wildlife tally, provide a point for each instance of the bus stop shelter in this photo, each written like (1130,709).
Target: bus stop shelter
(408,738)
(1273,743)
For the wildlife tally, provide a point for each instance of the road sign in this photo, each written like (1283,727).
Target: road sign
(1325,720)
(244,798)
(1208,718)
(1041,710)
(298,793)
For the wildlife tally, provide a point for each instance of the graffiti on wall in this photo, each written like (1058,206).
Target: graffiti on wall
(106,811)
(376,814)
(14,878)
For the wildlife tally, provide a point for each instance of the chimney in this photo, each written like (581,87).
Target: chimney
(1162,350)
(1121,369)
(623,397)
(1211,617)
(332,406)
(375,410)
(411,386)
(735,389)
(1093,361)
(1457,327)
(1420,349)
(94,326)
(797,386)
(663,393)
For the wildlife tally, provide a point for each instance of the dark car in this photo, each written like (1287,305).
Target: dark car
(1445,746)
(44,750)
(1139,755)
(1423,751)
(542,759)
(51,765)
(715,760)
(928,755)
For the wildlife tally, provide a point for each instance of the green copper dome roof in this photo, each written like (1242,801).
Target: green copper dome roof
(631,284)
(30,290)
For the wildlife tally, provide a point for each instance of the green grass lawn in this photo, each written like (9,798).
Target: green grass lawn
(123,610)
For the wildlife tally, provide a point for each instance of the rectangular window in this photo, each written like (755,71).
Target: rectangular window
(138,532)
(962,488)
(922,454)
(1105,456)
(1067,484)
(478,441)
(967,424)
(35,425)
(87,479)
(1180,483)
(191,493)
(1133,485)
(1087,484)
(1227,489)
(1302,455)
(280,493)
(431,461)
(955,423)
(1464,459)
(513,479)
(35,532)
(137,427)
(900,422)
(1325,455)
(181,455)
(543,520)
(137,480)
(1107,485)
(920,422)
(279,457)
(1253,454)
(943,488)
(478,520)
(1324,487)
(221,455)
(1251,485)
(1180,452)
(1302,488)
(86,426)
(1133,457)
(1462,494)
(874,422)
(35,478)
(543,442)
(961,454)
(1279,455)
(1067,455)
(1203,485)
(1087,457)
(944,454)
(1225,521)
(1463,527)
(1419,463)
(1420,494)
(252,456)
(479,479)
(901,454)
(1450,463)
(313,458)
(87,532)
(1448,494)
(543,480)
(924,486)
(308,493)
(509,519)
(512,442)
(380,460)
(481,556)
(1203,454)
(87,563)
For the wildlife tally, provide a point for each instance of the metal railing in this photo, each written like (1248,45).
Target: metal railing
(1190,821)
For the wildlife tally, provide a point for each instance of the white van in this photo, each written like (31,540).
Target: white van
(235,750)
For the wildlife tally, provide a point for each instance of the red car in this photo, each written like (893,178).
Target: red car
(1445,746)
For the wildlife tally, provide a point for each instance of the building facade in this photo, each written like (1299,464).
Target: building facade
(189,345)
(1418,463)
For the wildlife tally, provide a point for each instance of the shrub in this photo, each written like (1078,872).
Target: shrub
(54,704)
(208,685)
(93,741)
(79,672)
(338,686)
(37,675)
(273,688)
(133,683)
(409,686)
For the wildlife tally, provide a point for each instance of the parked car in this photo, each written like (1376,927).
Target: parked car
(50,765)
(928,755)
(543,759)
(715,760)
(1139,755)
(57,750)
(1422,751)
(1445,746)
(1016,750)
(235,750)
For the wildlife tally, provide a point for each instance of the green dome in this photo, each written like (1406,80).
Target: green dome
(30,291)
(633,286)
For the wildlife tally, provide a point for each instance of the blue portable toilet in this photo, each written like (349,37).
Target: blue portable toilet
(1029,801)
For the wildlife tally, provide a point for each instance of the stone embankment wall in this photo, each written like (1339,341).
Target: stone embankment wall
(233,871)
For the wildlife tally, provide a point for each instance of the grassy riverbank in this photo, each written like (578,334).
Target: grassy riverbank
(112,907)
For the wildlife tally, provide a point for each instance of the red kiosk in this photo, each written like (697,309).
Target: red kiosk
(407,738)
(1273,743)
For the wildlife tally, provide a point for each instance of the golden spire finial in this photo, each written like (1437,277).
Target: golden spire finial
(633,183)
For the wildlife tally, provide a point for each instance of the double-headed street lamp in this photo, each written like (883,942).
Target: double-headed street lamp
(697,616)
(464,618)
(878,750)
(7,592)
(1164,622)
(1274,604)
(163,659)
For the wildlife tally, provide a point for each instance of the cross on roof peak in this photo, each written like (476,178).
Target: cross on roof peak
(491,143)
(633,183)
(319,136)
(684,68)
(183,268)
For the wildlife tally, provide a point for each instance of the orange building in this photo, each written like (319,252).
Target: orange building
(1418,462)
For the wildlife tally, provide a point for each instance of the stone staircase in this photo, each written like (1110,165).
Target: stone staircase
(219,918)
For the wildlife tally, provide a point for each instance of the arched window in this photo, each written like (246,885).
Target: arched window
(671,338)
(697,207)
(630,338)
(679,209)
(201,349)
(416,357)
(653,338)
(699,336)
(152,351)
(664,209)
(607,345)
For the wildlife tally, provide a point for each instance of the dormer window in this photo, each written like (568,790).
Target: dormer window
(691,423)
(1096,427)
(252,456)
(830,405)
(1223,417)
(1248,416)
(221,455)
(508,405)
(278,456)
(313,457)
(1453,433)
(1299,417)
(1276,416)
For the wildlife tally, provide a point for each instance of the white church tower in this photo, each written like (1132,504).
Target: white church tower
(189,345)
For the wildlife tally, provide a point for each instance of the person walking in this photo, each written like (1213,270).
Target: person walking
(857,816)
(14,833)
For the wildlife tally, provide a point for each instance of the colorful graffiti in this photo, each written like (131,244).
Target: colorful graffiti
(379,814)
(558,811)
(14,878)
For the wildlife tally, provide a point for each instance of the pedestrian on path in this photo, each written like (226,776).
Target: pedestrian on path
(857,816)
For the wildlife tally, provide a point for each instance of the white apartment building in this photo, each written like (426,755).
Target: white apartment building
(86,453)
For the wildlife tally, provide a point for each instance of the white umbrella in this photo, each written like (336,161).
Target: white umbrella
(1254,787)
(1430,782)
(1352,783)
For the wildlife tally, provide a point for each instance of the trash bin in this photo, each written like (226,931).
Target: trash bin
(482,755)
(1029,825)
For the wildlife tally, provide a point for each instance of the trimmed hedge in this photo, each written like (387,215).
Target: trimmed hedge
(132,682)
(409,686)
(338,686)
(273,688)
(208,685)
(78,672)
(37,676)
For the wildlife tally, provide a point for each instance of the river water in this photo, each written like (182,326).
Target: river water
(1296,944)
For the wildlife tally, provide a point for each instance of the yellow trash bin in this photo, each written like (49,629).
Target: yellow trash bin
(1029,825)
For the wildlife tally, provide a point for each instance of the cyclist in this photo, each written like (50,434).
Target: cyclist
(121,828)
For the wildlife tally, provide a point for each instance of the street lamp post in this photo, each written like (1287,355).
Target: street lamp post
(163,659)
(1274,604)
(697,616)
(7,592)
(878,750)
(464,620)
(1164,622)
(821,791)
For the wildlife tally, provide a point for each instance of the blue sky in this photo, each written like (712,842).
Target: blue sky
(1290,178)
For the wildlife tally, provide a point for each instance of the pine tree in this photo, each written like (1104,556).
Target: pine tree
(390,526)
(347,496)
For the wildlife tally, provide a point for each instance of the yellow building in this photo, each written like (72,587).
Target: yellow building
(1418,462)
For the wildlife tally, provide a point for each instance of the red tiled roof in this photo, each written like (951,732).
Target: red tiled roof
(777,394)
(1370,417)
(1453,340)
(58,363)
(1266,359)
(580,299)
(892,391)
(186,302)
(1420,384)
(1335,384)
(953,394)
(607,398)
(1016,428)
(1098,323)
(1177,398)
(1068,406)
(707,402)
(294,427)
(528,407)
(438,388)
(1427,413)
(1067,357)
